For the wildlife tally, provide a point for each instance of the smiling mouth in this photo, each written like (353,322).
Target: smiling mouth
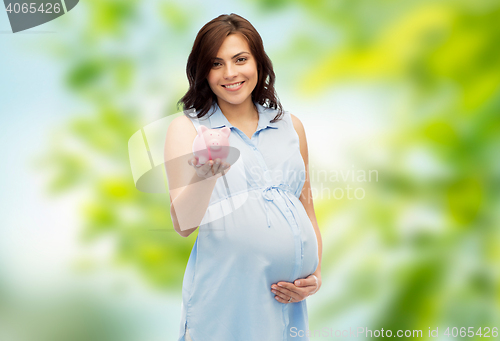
(235,85)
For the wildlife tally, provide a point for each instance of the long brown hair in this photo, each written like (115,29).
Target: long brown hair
(205,48)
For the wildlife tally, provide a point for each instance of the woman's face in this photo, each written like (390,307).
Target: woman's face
(234,64)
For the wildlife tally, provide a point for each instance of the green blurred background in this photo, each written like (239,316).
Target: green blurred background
(404,90)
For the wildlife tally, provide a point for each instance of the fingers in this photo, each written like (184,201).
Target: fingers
(217,166)
(310,280)
(210,168)
(286,289)
(280,297)
(203,170)
(284,292)
(315,278)
(298,290)
(283,295)
(220,166)
(316,283)
(225,167)
(194,162)
(206,169)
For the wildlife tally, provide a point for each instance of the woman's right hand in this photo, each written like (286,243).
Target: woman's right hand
(210,168)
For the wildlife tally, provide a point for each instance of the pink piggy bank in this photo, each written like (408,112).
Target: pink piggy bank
(211,144)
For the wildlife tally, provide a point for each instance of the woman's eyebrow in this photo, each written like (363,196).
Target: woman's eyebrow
(236,55)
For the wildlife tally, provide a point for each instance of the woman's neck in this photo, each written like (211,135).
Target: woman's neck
(240,113)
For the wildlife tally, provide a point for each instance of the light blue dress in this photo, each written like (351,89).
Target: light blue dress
(267,238)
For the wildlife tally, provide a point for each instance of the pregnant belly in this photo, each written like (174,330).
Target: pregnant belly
(281,252)
(310,259)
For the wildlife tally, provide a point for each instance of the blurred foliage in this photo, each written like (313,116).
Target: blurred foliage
(72,315)
(91,153)
(423,248)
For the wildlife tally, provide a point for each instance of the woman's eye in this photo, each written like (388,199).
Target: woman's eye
(216,64)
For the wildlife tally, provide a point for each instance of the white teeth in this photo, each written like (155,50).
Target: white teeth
(233,86)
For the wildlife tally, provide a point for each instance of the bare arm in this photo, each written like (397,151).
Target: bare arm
(190,187)
(306,195)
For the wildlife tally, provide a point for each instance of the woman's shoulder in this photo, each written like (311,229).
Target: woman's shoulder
(182,123)
(180,131)
(295,120)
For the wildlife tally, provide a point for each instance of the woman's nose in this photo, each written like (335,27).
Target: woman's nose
(230,71)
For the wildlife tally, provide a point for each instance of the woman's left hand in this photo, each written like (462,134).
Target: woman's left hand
(298,290)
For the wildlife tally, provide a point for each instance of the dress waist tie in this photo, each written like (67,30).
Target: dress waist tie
(268,195)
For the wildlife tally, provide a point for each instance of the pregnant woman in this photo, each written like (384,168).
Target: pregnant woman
(257,256)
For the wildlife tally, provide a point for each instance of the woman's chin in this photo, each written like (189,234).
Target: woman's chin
(234,101)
